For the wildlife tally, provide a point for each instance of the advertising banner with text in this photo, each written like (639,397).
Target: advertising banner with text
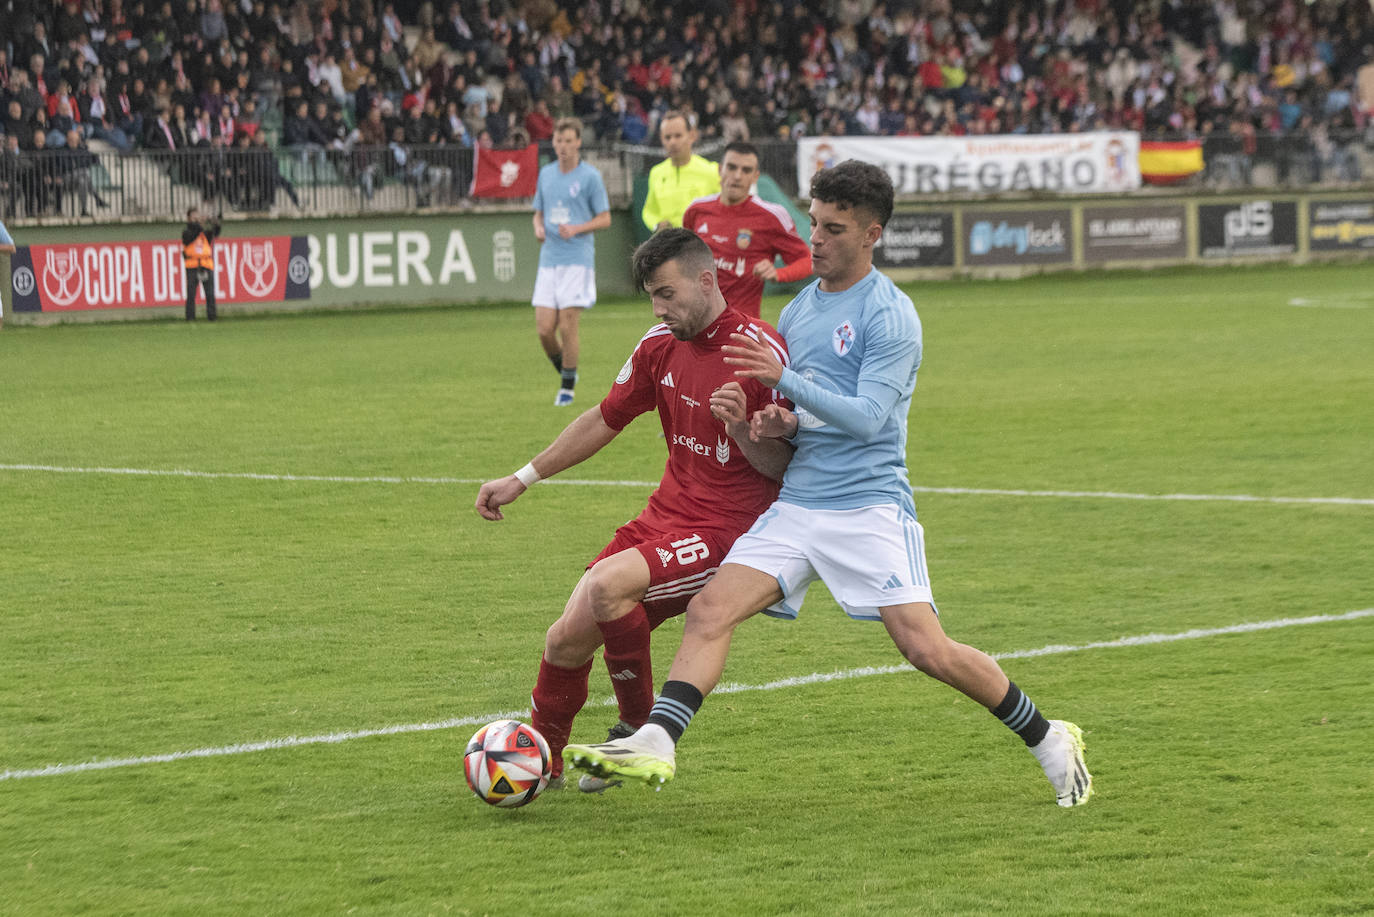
(1340,226)
(1134,233)
(1092,163)
(1016,237)
(1260,227)
(916,240)
(147,274)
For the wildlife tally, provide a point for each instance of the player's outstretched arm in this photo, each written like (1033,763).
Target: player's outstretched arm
(580,440)
(862,415)
(769,456)
(495,494)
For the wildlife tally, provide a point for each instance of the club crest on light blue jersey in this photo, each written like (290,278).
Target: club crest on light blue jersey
(843,339)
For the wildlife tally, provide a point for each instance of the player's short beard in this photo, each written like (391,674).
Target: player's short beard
(681,332)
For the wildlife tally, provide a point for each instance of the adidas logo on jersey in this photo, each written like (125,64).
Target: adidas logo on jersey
(665,556)
(892,582)
(667,381)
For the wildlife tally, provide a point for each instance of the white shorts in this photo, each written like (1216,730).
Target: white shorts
(565,286)
(869,558)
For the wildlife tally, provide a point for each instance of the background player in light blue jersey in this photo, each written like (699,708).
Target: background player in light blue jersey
(845,514)
(570,204)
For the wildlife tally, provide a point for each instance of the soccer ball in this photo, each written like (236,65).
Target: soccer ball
(507,763)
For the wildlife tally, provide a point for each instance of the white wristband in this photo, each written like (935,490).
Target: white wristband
(527,475)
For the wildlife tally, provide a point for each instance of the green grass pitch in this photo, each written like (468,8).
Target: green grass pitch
(349,586)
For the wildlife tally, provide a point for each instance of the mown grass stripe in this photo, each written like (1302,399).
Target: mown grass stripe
(58,770)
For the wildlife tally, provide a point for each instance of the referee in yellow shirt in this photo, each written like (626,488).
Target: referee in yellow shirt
(681,178)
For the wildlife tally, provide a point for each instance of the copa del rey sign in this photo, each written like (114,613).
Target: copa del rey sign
(143,274)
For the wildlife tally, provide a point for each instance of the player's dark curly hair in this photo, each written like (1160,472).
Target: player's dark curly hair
(674,244)
(743,147)
(860,185)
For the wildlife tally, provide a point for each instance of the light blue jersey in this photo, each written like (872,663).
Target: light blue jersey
(574,197)
(853,361)
(5,238)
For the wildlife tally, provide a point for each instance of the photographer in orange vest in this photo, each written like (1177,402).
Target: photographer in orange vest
(198,251)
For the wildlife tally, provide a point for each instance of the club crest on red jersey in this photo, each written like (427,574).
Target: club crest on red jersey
(743,237)
(843,338)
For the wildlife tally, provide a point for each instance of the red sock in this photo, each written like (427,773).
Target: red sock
(632,669)
(558,694)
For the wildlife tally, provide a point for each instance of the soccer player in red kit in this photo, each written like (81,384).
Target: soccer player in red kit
(745,232)
(715,484)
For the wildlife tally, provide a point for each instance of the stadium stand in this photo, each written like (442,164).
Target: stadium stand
(341,105)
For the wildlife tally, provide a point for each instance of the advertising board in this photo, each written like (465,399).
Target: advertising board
(1255,227)
(1014,237)
(84,276)
(1134,233)
(1337,226)
(916,240)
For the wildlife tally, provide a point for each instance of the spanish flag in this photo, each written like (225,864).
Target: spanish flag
(1163,162)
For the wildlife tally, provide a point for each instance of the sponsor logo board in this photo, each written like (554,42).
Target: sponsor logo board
(916,240)
(1014,237)
(1334,226)
(1255,227)
(84,276)
(1134,233)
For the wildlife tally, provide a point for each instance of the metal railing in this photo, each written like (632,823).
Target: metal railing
(38,188)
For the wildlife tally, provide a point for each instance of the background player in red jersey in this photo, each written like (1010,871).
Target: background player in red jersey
(715,484)
(745,232)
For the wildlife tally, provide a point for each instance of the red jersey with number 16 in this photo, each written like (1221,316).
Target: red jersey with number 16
(707,482)
(740,237)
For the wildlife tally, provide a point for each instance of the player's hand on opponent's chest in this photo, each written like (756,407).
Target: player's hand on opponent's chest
(729,406)
(753,359)
(773,422)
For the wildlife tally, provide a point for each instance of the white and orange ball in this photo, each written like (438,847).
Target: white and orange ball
(507,763)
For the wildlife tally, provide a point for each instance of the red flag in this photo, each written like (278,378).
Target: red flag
(506,173)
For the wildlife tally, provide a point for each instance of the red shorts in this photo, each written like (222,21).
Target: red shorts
(681,563)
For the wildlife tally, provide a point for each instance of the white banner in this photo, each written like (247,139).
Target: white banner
(1108,161)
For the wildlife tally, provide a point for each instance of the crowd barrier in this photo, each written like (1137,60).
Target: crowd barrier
(258,181)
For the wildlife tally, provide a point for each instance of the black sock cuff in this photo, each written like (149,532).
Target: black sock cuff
(676,705)
(684,693)
(1009,703)
(1019,714)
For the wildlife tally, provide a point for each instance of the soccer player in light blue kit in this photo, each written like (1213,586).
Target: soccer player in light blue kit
(845,514)
(570,204)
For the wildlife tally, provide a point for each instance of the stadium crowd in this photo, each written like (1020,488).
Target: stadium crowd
(362,84)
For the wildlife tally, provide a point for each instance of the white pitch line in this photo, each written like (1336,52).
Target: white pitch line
(1118,495)
(587,482)
(1326,303)
(58,770)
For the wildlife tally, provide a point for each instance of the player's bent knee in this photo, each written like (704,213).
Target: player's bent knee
(608,596)
(932,657)
(570,646)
